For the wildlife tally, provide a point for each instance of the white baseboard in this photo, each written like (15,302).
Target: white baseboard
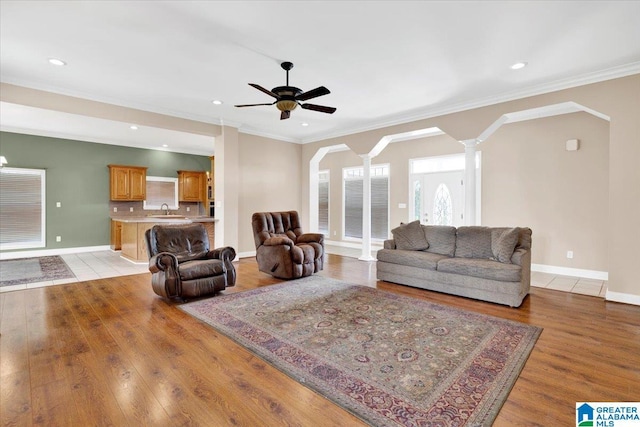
(249,254)
(624,298)
(49,252)
(574,272)
(353,245)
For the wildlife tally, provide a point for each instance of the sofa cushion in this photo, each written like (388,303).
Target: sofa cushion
(473,242)
(418,259)
(483,268)
(503,243)
(441,238)
(410,237)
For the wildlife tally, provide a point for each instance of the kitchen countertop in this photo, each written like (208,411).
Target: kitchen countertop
(171,220)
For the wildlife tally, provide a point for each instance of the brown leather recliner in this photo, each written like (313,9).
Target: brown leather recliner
(182,265)
(282,249)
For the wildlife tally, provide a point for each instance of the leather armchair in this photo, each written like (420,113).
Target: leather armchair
(282,249)
(182,265)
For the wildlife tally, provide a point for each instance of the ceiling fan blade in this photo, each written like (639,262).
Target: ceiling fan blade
(285,115)
(261,89)
(321,108)
(253,105)
(313,93)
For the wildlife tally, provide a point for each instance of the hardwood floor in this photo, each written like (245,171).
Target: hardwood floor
(111,352)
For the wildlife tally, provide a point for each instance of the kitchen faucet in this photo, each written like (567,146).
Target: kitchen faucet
(166,212)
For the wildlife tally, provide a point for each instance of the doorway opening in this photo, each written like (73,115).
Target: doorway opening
(436,190)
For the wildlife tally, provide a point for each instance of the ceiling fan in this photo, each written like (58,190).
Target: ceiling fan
(289,97)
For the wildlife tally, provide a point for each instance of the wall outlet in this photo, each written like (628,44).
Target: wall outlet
(188,208)
(570,254)
(334,232)
(402,206)
(58,238)
(58,205)
(115,209)
(130,209)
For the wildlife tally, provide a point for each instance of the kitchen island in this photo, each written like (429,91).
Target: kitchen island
(128,233)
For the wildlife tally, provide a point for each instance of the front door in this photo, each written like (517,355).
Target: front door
(442,195)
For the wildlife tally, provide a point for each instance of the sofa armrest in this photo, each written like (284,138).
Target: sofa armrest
(162,261)
(389,244)
(278,240)
(518,256)
(310,238)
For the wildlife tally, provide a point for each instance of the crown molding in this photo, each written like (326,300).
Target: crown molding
(581,80)
(402,118)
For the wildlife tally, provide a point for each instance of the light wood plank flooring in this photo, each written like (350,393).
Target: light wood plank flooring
(110,352)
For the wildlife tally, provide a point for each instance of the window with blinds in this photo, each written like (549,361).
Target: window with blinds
(353,190)
(22,208)
(323,202)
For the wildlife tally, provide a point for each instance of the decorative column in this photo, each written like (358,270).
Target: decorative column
(314,169)
(470,181)
(366,208)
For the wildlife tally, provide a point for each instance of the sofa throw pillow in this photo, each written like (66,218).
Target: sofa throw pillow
(503,243)
(410,237)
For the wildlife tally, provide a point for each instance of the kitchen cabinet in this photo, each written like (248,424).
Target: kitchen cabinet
(128,183)
(192,186)
(131,234)
(116,235)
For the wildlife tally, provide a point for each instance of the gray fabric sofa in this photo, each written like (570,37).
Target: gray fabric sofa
(484,263)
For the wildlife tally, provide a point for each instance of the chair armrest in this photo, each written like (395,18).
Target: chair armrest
(226,253)
(278,241)
(389,244)
(162,261)
(310,237)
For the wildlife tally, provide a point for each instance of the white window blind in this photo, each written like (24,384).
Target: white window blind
(323,202)
(22,208)
(353,194)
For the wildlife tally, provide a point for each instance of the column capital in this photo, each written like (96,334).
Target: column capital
(469,142)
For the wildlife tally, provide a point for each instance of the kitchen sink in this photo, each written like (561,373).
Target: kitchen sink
(167,216)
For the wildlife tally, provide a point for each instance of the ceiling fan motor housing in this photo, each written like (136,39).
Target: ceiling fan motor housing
(287,97)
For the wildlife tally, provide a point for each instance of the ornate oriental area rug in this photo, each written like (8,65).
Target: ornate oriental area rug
(388,359)
(32,270)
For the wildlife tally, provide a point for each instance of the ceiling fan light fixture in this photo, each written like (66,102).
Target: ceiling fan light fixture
(286,105)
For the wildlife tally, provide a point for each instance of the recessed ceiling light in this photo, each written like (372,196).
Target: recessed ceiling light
(216,102)
(165,145)
(56,61)
(133,127)
(305,124)
(518,65)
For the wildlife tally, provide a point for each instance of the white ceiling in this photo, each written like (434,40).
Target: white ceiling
(385,62)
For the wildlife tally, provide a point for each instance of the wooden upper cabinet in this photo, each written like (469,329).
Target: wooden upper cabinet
(128,182)
(192,186)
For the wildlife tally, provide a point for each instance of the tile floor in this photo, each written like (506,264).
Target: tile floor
(103,264)
(575,285)
(89,266)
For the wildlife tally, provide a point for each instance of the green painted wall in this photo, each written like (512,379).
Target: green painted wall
(77,176)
